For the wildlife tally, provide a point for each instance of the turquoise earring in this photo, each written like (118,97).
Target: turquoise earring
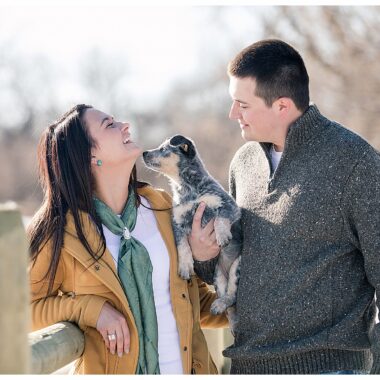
(99,162)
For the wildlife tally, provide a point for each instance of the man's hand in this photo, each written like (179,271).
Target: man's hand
(202,240)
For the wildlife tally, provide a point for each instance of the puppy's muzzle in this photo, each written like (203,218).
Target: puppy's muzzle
(150,160)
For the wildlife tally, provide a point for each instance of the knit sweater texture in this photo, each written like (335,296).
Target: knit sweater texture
(310,261)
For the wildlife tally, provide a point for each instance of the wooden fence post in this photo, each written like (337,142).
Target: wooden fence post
(14,292)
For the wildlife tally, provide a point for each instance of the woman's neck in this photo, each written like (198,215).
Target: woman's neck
(112,188)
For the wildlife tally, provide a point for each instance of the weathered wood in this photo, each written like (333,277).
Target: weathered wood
(55,346)
(14,292)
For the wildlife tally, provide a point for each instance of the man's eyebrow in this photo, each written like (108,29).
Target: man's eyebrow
(106,118)
(240,101)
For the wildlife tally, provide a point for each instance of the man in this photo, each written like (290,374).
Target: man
(309,190)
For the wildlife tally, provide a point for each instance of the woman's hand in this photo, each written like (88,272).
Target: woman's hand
(203,240)
(110,322)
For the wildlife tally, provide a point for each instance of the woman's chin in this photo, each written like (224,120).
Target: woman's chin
(133,147)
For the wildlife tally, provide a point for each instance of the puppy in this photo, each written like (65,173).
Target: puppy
(191,184)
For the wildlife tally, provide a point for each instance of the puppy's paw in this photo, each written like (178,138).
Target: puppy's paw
(223,238)
(186,269)
(218,306)
(223,233)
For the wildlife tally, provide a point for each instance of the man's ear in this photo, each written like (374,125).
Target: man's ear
(284,104)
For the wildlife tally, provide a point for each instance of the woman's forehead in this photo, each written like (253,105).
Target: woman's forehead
(94,116)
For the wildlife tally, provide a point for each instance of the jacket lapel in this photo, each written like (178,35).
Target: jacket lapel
(104,269)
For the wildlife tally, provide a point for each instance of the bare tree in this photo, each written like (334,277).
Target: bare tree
(341,50)
(27,103)
(340,46)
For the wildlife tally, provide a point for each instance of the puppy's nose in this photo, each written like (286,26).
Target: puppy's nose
(145,154)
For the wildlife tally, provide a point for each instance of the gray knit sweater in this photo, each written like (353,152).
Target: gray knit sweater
(311,253)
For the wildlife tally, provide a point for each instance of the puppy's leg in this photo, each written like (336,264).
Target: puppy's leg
(233,282)
(227,292)
(220,283)
(230,299)
(222,227)
(227,256)
(185,259)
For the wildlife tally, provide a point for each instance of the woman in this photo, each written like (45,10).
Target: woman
(103,255)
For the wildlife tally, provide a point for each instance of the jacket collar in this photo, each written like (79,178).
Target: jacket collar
(154,197)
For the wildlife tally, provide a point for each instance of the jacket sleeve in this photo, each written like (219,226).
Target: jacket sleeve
(206,298)
(361,207)
(84,310)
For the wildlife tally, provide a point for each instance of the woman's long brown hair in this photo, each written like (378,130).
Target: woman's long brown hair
(64,158)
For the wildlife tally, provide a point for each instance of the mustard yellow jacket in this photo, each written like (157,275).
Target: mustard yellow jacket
(79,295)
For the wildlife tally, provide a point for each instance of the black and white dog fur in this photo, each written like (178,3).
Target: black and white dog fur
(177,158)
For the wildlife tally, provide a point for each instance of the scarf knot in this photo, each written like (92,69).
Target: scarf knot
(126,233)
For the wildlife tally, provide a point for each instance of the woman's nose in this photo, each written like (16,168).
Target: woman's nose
(124,126)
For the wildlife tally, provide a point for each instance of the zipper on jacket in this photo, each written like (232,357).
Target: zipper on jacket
(271,173)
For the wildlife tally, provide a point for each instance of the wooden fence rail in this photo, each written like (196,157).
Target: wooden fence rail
(54,347)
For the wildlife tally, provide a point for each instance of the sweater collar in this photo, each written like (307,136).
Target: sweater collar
(309,125)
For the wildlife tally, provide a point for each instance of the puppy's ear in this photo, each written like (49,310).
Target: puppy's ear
(186,145)
(178,140)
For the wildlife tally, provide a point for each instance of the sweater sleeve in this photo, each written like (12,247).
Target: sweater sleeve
(361,206)
(84,310)
(205,269)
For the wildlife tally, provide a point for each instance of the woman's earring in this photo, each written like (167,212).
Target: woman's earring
(99,162)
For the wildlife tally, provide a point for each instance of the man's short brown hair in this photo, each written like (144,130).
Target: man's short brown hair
(278,69)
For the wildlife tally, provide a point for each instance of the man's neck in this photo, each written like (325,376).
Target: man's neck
(279,144)
(277,149)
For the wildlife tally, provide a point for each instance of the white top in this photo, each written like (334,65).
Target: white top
(275,157)
(146,231)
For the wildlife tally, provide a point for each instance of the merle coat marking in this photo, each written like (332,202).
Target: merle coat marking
(178,159)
